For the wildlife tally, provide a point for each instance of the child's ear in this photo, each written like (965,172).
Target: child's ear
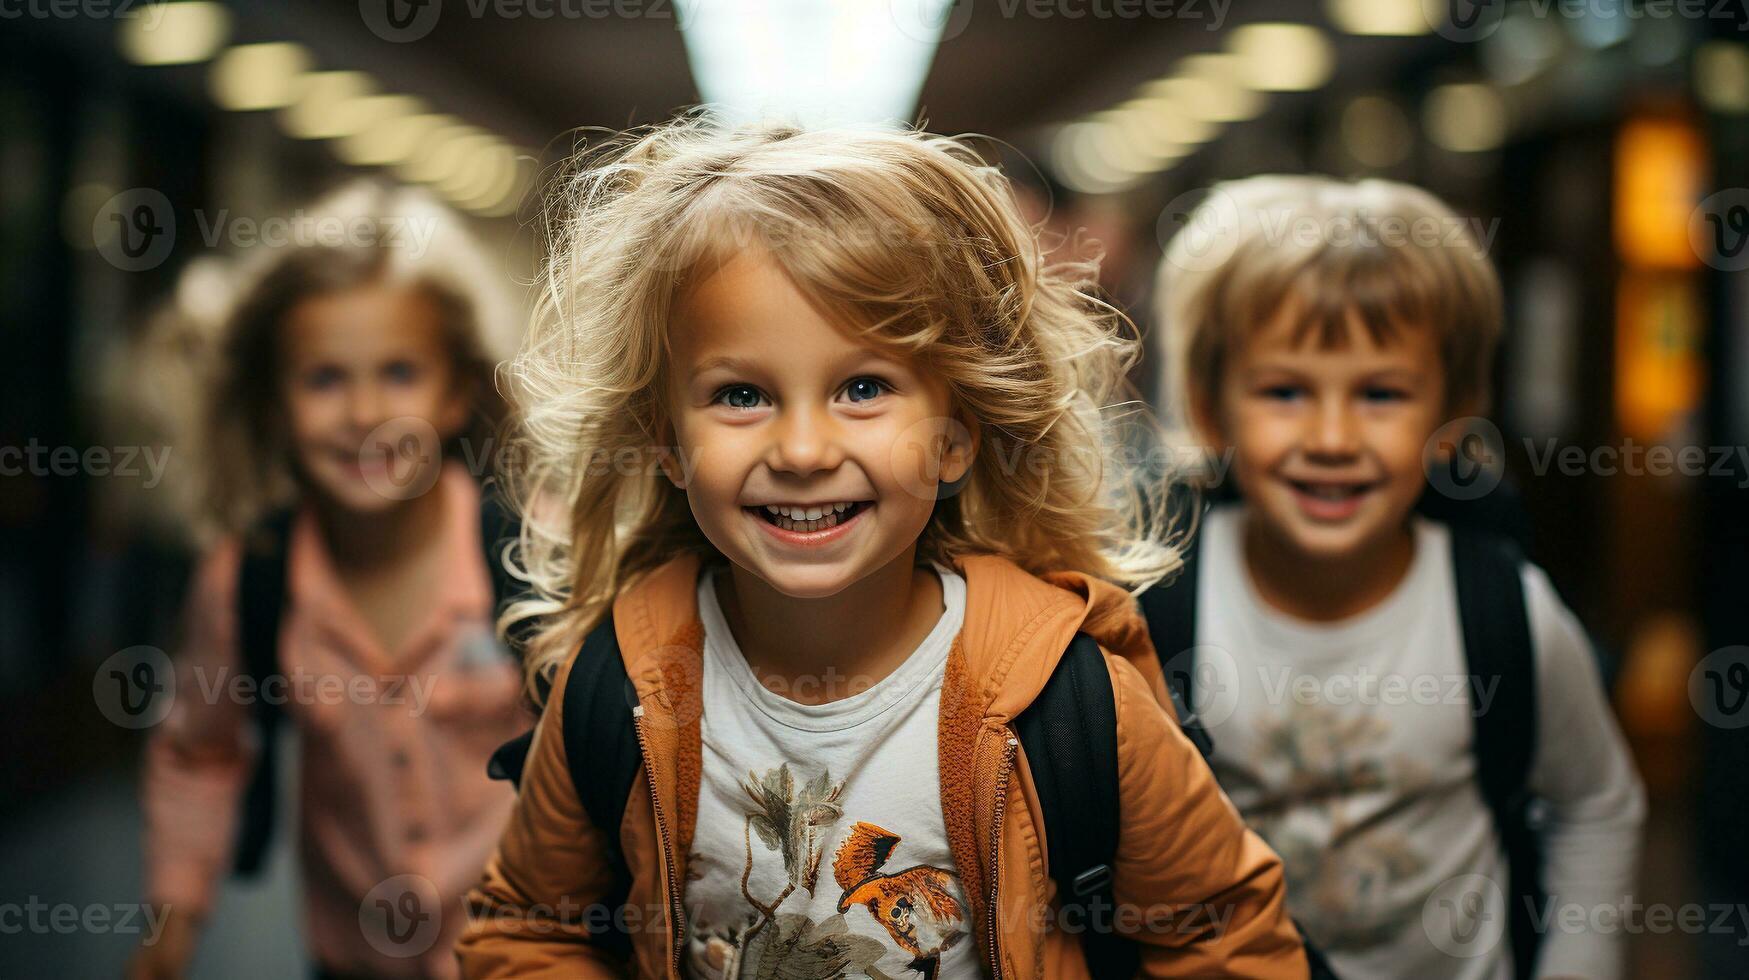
(961,448)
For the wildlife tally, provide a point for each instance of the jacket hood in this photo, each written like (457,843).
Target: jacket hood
(1016,628)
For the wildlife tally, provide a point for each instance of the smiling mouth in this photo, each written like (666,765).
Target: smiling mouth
(1335,492)
(804,520)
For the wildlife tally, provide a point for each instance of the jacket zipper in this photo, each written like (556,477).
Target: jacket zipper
(676,912)
(994,914)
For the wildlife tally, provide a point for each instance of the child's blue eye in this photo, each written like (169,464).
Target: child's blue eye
(1383,394)
(738,396)
(863,389)
(401,371)
(1281,392)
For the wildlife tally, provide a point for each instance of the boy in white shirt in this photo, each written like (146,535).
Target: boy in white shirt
(1321,335)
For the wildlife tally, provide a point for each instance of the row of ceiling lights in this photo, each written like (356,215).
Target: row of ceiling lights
(470,166)
(1169,118)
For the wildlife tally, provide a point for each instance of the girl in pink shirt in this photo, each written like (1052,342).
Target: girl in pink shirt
(351,366)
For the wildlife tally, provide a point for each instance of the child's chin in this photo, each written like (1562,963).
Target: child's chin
(353,493)
(1325,539)
(809,581)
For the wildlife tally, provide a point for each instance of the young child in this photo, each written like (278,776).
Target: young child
(1320,334)
(348,364)
(831,452)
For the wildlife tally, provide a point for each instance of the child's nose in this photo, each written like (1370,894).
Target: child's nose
(805,441)
(364,406)
(1333,432)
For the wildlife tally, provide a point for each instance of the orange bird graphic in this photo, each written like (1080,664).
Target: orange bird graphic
(916,906)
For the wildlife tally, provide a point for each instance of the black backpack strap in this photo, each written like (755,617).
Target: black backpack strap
(602,750)
(1501,661)
(261,586)
(1170,609)
(1069,734)
(499,529)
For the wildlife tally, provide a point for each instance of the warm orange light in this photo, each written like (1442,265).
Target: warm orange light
(1657,357)
(1660,168)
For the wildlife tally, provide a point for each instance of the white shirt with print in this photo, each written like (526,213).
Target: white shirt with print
(820,849)
(1347,746)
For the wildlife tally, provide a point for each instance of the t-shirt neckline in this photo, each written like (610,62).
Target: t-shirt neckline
(927,662)
(1334,636)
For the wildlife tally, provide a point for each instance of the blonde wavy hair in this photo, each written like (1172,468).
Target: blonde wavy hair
(911,240)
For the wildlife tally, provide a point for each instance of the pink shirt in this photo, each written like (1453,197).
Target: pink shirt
(396,816)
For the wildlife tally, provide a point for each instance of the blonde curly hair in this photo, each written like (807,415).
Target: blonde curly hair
(906,237)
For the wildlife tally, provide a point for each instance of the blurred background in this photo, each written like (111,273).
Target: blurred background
(1601,147)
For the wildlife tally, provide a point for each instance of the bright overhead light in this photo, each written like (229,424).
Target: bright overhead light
(1385,18)
(1283,57)
(846,62)
(491,161)
(258,76)
(393,139)
(1208,94)
(1145,143)
(363,114)
(505,170)
(502,200)
(1170,120)
(1465,118)
(174,33)
(472,164)
(442,154)
(319,112)
(1079,158)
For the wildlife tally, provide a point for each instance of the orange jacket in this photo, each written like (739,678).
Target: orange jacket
(1206,894)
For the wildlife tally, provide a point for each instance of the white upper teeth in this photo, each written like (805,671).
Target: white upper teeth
(813,513)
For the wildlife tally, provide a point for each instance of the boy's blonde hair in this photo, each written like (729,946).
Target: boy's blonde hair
(1391,254)
(908,239)
(361,234)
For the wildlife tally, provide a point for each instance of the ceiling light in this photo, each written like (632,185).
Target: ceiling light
(174,33)
(1279,57)
(258,76)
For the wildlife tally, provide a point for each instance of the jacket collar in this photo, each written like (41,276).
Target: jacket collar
(1017,626)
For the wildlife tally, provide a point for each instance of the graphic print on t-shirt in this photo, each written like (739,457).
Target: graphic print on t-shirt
(917,908)
(1341,870)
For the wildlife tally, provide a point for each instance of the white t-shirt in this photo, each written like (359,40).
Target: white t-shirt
(1347,746)
(820,849)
